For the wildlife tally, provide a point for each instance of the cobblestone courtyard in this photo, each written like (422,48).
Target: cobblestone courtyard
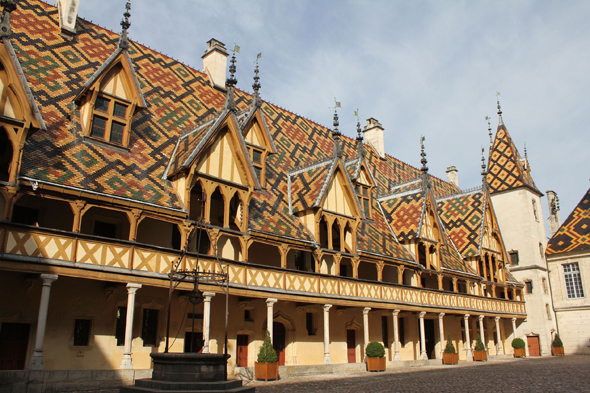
(548,374)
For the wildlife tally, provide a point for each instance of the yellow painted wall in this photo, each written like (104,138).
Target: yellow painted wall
(336,198)
(219,161)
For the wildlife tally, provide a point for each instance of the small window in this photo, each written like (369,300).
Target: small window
(385,331)
(548,310)
(99,125)
(545,288)
(535,210)
(256,156)
(149,328)
(121,324)
(248,316)
(102,104)
(541,250)
(109,120)
(529,286)
(120,110)
(513,258)
(81,332)
(573,281)
(364,194)
(309,324)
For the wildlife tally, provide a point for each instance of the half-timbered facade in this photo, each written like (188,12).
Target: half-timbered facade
(118,163)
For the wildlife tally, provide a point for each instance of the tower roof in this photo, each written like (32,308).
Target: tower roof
(574,234)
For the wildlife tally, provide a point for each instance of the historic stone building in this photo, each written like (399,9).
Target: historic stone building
(119,165)
(568,257)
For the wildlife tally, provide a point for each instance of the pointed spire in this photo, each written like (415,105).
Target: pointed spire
(8,7)
(526,158)
(231,82)
(123,42)
(500,121)
(484,172)
(490,130)
(360,146)
(336,134)
(257,101)
(424,169)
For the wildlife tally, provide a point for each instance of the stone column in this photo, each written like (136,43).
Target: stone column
(126,362)
(327,359)
(396,355)
(366,328)
(423,355)
(441,333)
(513,328)
(270,315)
(468,353)
(482,331)
(206,319)
(500,348)
(37,358)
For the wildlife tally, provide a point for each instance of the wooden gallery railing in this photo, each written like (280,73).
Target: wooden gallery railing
(55,246)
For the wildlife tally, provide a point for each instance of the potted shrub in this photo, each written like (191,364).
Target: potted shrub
(267,366)
(450,356)
(519,348)
(375,356)
(479,352)
(557,346)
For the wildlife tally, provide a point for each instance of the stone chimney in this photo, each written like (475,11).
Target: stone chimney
(68,14)
(554,217)
(373,135)
(215,63)
(453,176)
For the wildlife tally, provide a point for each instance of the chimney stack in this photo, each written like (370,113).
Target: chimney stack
(215,63)
(68,14)
(453,176)
(373,135)
(554,216)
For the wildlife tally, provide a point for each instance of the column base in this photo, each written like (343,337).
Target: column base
(397,356)
(36,363)
(327,359)
(126,362)
(500,351)
(423,356)
(469,355)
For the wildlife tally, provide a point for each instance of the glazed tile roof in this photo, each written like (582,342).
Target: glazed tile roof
(574,233)
(462,217)
(403,212)
(451,258)
(307,185)
(507,170)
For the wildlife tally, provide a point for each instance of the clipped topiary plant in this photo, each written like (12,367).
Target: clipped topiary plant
(479,344)
(375,350)
(450,348)
(557,342)
(518,343)
(267,354)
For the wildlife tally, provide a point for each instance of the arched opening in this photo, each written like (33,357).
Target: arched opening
(107,223)
(323,233)
(6,153)
(389,274)
(493,263)
(429,281)
(229,247)
(300,260)
(158,233)
(200,242)
(487,271)
(462,286)
(367,271)
(481,268)
(447,284)
(433,257)
(408,277)
(197,202)
(43,212)
(264,254)
(327,265)
(346,267)
(336,243)
(235,213)
(217,208)
(278,341)
(422,254)
(348,246)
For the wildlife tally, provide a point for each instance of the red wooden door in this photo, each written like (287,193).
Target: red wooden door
(351,345)
(242,356)
(14,338)
(278,341)
(533,343)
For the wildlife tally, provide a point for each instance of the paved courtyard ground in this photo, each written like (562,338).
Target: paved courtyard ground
(547,374)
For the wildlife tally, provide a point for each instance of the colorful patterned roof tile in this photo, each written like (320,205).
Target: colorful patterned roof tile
(403,212)
(451,258)
(574,233)
(506,169)
(462,217)
(307,185)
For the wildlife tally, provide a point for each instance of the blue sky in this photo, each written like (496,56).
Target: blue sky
(427,68)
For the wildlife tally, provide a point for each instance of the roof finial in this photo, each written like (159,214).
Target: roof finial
(336,133)
(500,121)
(490,130)
(231,81)
(256,85)
(484,172)
(9,6)
(359,139)
(123,42)
(424,168)
(526,158)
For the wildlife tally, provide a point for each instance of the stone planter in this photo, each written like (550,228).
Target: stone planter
(266,371)
(520,352)
(480,356)
(450,358)
(558,351)
(376,364)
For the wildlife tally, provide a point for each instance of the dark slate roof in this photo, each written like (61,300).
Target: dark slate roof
(574,233)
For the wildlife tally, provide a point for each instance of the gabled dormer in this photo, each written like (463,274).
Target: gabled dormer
(364,184)
(259,142)
(492,251)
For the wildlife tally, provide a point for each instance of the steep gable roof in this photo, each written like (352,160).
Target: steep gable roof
(574,233)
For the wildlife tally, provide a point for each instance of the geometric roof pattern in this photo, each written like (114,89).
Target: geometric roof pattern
(404,213)
(506,169)
(574,233)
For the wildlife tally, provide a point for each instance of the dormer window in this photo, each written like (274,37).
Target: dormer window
(257,155)
(364,194)
(110,120)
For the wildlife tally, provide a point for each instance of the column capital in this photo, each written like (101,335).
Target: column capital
(48,279)
(422,314)
(366,310)
(132,287)
(270,301)
(207,296)
(327,307)
(513,319)
(441,315)
(481,317)
(496,319)
(466,317)
(395,312)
